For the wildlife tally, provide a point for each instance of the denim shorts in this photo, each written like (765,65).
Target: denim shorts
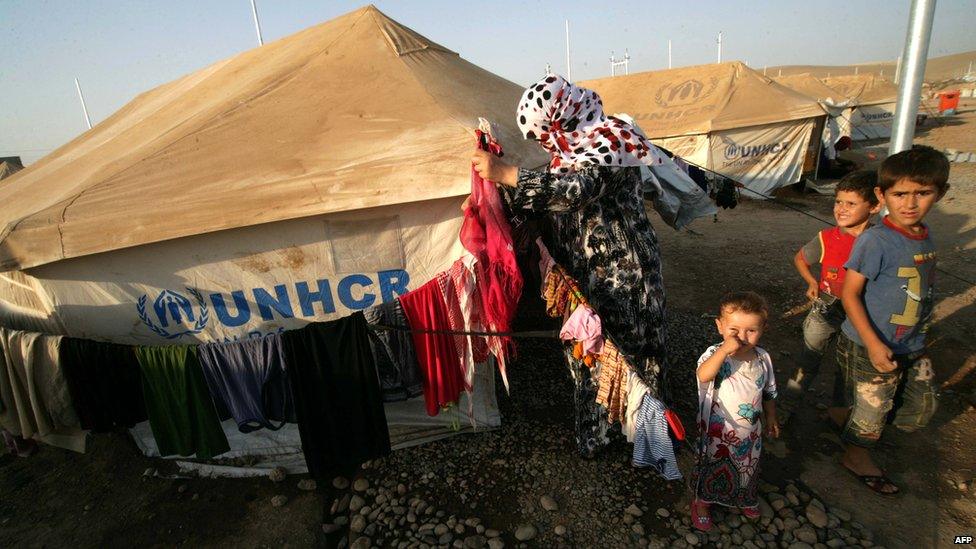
(903,397)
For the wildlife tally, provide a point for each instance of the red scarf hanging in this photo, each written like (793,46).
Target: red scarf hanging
(488,236)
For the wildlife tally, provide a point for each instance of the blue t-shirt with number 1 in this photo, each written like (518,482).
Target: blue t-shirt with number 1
(899,267)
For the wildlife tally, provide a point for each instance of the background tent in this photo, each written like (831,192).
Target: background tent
(725,117)
(872,99)
(158,226)
(10,165)
(833,102)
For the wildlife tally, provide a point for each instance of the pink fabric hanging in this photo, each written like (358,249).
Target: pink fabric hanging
(487,235)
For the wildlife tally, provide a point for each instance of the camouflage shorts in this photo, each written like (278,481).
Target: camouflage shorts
(904,397)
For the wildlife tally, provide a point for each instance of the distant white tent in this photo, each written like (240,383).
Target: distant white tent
(872,104)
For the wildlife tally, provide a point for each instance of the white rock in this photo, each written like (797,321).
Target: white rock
(525,532)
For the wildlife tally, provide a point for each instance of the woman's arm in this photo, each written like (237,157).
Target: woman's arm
(543,191)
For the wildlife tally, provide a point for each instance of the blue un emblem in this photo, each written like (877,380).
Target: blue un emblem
(174,315)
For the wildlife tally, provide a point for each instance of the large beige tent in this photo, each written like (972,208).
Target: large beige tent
(725,117)
(873,101)
(302,180)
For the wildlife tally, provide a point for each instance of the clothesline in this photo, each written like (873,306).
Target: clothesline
(540,334)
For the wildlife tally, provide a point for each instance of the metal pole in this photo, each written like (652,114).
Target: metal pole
(669,54)
(719,46)
(898,69)
(910,85)
(764,70)
(83,107)
(855,70)
(569,67)
(257,23)
(613,65)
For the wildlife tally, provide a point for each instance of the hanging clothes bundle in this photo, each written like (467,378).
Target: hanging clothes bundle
(34,396)
(104,382)
(486,233)
(437,354)
(248,380)
(393,352)
(181,413)
(337,394)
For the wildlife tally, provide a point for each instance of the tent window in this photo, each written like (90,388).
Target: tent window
(366,245)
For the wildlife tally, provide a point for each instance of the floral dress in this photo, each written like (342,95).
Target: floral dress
(603,237)
(730,424)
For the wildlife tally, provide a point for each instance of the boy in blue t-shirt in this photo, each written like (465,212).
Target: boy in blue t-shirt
(888,298)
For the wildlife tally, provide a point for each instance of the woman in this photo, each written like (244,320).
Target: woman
(592,192)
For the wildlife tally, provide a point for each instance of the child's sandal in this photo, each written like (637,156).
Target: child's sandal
(701,518)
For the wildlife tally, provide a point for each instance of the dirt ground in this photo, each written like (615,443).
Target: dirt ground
(58,498)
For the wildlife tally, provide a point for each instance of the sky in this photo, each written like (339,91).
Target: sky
(118,49)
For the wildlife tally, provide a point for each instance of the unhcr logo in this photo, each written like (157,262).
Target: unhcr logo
(172,315)
(687,92)
(734,150)
(173,312)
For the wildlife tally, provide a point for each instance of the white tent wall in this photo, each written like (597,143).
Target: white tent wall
(872,121)
(251,281)
(692,148)
(762,158)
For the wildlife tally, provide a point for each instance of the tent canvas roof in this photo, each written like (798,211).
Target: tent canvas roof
(812,87)
(354,113)
(864,89)
(701,99)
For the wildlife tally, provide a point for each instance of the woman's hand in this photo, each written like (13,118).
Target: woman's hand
(493,169)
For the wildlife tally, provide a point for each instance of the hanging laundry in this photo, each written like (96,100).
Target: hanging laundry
(105,383)
(727,196)
(589,418)
(683,166)
(636,389)
(612,385)
(652,443)
(248,379)
(455,323)
(486,233)
(462,281)
(698,176)
(584,325)
(337,394)
(546,261)
(396,361)
(561,292)
(34,392)
(181,413)
(436,352)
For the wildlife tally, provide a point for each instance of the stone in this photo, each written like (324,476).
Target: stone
(475,542)
(360,485)
(330,528)
(277,474)
(816,515)
(634,510)
(358,523)
(790,524)
(496,543)
(362,542)
(841,514)
(663,513)
(800,545)
(638,529)
(307,485)
(279,501)
(445,539)
(806,534)
(791,497)
(492,533)
(691,539)
(340,483)
(778,504)
(342,521)
(356,503)
(441,529)
(747,531)
(401,489)
(525,532)
(548,503)
(560,530)
(835,543)
(765,511)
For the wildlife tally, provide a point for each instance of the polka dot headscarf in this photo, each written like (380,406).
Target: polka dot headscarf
(568,121)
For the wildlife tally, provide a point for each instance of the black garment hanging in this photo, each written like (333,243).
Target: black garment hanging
(337,394)
(104,383)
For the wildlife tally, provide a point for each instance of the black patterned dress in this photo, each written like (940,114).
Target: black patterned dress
(602,235)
